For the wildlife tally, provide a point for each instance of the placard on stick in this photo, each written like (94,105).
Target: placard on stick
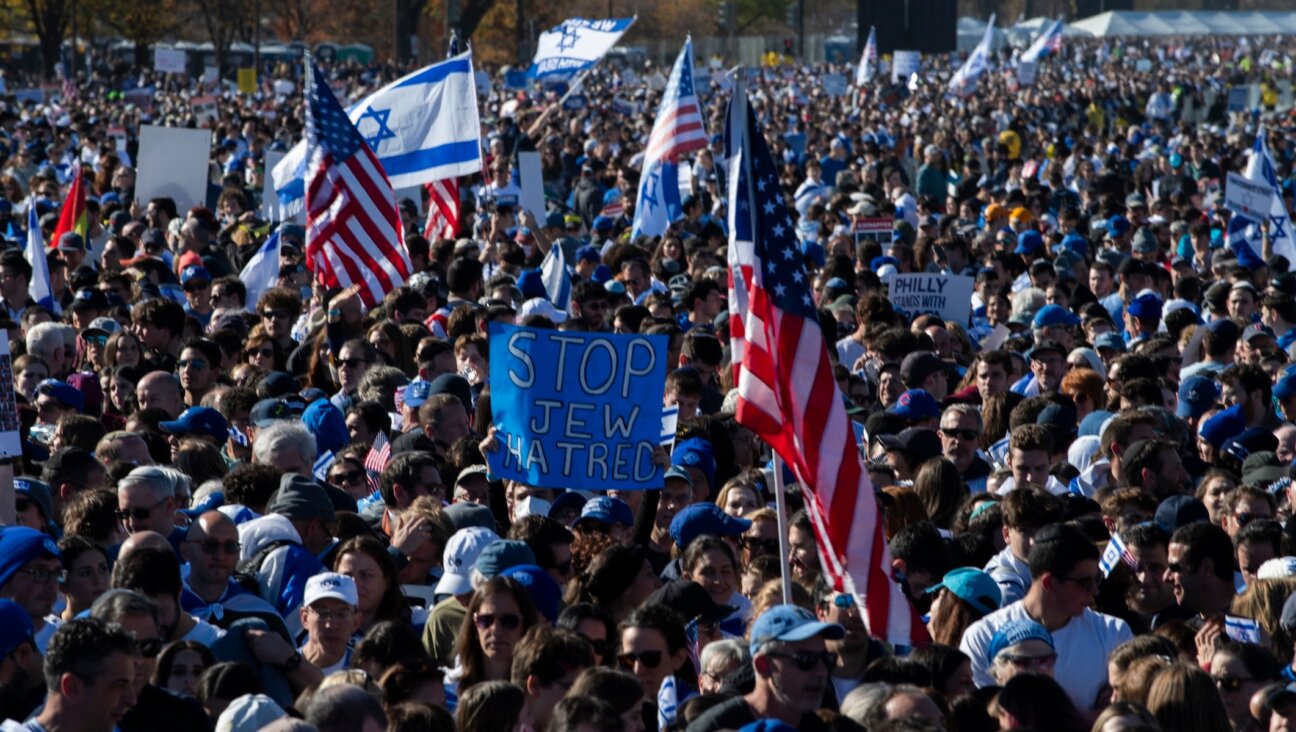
(949,296)
(173,162)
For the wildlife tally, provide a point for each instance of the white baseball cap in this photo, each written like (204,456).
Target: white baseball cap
(331,585)
(1277,568)
(531,506)
(541,306)
(460,555)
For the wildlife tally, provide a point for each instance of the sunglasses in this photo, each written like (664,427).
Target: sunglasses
(766,545)
(507,621)
(601,648)
(139,514)
(274,314)
(96,340)
(150,648)
(350,476)
(213,546)
(352,363)
(1229,683)
(967,435)
(197,363)
(808,660)
(266,352)
(1045,661)
(650,659)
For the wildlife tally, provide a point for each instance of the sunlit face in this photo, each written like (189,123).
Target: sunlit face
(740,501)
(368,576)
(716,573)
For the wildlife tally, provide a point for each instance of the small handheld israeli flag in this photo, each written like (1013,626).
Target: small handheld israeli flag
(667,703)
(1242,630)
(238,437)
(1115,552)
(322,464)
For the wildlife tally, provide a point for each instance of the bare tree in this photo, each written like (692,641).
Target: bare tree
(225,21)
(49,19)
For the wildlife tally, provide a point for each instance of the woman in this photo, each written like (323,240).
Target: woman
(962,597)
(262,352)
(1018,647)
(594,625)
(121,390)
(654,645)
(347,474)
(941,490)
(1036,701)
(739,498)
(618,580)
(493,706)
(620,689)
(29,371)
(951,669)
(392,346)
(87,574)
(1125,717)
(1184,698)
(499,614)
(1213,491)
(365,560)
(419,680)
(1239,670)
(123,349)
(180,666)
(710,562)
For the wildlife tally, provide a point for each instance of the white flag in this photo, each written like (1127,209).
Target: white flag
(576,45)
(868,60)
(964,80)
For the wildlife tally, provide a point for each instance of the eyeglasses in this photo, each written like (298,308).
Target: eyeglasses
(349,477)
(97,340)
(139,514)
(150,648)
(966,435)
(507,621)
(275,314)
(265,352)
(752,544)
(650,659)
(1030,662)
(1245,518)
(340,615)
(41,576)
(196,286)
(1229,683)
(352,363)
(808,660)
(1089,583)
(214,546)
(197,363)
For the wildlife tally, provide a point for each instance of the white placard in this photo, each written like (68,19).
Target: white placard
(173,162)
(904,63)
(10,442)
(211,75)
(532,180)
(1247,197)
(1026,73)
(949,296)
(168,61)
(834,85)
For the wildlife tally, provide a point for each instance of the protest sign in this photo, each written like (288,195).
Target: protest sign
(30,95)
(532,181)
(168,61)
(1238,98)
(904,63)
(247,81)
(142,97)
(1247,197)
(576,410)
(878,228)
(1026,73)
(204,109)
(10,444)
(949,296)
(834,85)
(211,76)
(270,197)
(173,162)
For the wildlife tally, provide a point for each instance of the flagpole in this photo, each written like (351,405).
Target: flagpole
(780,503)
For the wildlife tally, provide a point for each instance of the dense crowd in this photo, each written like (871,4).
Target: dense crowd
(1126,382)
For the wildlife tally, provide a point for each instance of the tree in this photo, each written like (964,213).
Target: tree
(142,22)
(298,18)
(49,19)
(225,20)
(408,13)
(471,13)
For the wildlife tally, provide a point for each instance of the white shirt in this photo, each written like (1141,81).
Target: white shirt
(1082,646)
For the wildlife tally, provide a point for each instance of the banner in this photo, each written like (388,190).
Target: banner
(576,45)
(878,228)
(949,296)
(834,85)
(1246,197)
(576,410)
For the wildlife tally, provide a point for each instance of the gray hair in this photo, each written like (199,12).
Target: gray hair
(43,338)
(343,708)
(116,604)
(160,481)
(730,652)
(965,410)
(284,435)
(866,704)
(379,384)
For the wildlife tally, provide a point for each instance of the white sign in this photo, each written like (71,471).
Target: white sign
(1026,73)
(211,75)
(529,173)
(269,197)
(173,162)
(1247,197)
(834,85)
(204,109)
(904,63)
(168,61)
(10,443)
(949,296)
(413,193)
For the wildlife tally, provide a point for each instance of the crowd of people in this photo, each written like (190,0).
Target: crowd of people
(1086,486)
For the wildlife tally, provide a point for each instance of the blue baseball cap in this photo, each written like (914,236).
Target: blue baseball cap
(1055,315)
(1196,395)
(417,392)
(588,253)
(328,424)
(531,284)
(1285,389)
(1110,340)
(566,500)
(1147,306)
(704,519)
(678,473)
(790,624)
(1180,510)
(194,272)
(1073,242)
(602,223)
(1224,426)
(1029,242)
(1016,631)
(608,510)
(200,421)
(20,545)
(501,555)
(1117,225)
(696,452)
(70,397)
(544,591)
(268,411)
(15,626)
(213,501)
(972,586)
(915,404)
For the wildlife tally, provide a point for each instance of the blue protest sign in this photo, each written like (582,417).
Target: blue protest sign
(576,410)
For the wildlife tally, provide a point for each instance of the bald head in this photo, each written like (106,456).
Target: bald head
(142,539)
(211,524)
(212,549)
(161,390)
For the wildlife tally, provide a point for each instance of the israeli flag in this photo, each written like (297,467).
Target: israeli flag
(576,45)
(964,81)
(261,271)
(322,465)
(667,703)
(1112,555)
(239,437)
(556,278)
(1048,42)
(423,127)
(868,60)
(1260,169)
(39,288)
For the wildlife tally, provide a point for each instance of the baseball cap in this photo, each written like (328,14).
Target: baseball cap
(39,492)
(704,519)
(1177,511)
(542,307)
(465,514)
(972,586)
(1017,631)
(500,555)
(101,326)
(1223,426)
(417,392)
(545,592)
(71,242)
(1055,315)
(70,398)
(790,623)
(566,500)
(920,443)
(198,421)
(1045,345)
(1147,306)
(1112,341)
(1196,395)
(1029,242)
(1277,568)
(300,498)
(268,411)
(460,556)
(915,404)
(678,473)
(1285,388)
(88,298)
(696,452)
(20,545)
(330,585)
(328,424)
(917,366)
(608,510)
(15,626)
(194,272)
(1262,468)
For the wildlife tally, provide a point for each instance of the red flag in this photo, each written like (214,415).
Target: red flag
(787,394)
(72,217)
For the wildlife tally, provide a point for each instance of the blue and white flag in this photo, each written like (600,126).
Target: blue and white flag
(667,703)
(39,288)
(239,437)
(1115,552)
(576,45)
(1242,630)
(1260,169)
(868,60)
(679,129)
(261,271)
(1049,42)
(322,465)
(964,81)
(422,127)
(556,278)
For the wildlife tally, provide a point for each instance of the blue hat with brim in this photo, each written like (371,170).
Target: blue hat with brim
(544,591)
(972,586)
(15,627)
(198,421)
(1050,315)
(790,623)
(1017,631)
(1196,395)
(705,519)
(696,452)
(20,545)
(608,510)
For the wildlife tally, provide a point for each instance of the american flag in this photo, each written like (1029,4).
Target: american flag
(678,129)
(353,228)
(787,393)
(376,460)
(443,195)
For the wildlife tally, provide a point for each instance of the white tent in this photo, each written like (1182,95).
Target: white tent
(1186,23)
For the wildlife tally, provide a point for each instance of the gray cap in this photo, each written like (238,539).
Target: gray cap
(300,498)
(465,514)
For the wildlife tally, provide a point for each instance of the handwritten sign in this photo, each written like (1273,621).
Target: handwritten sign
(904,64)
(576,410)
(949,296)
(1247,197)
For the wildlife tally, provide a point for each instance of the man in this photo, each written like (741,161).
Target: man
(284,546)
(590,304)
(197,284)
(125,446)
(992,371)
(15,279)
(345,708)
(791,663)
(960,435)
(155,707)
(855,649)
(927,371)
(1257,543)
(55,399)
(46,340)
(90,678)
(703,301)
(22,683)
(211,548)
(551,543)
(200,369)
(146,501)
(329,617)
(1200,572)
(1252,387)
(676,495)
(1055,323)
(444,419)
(1149,597)
(546,663)
(1064,562)
(161,390)
(1023,516)
(155,574)
(1030,458)
(30,565)
(159,323)
(1154,466)
(1048,365)
(907,451)
(352,362)
(199,423)
(918,561)
(407,477)
(1277,310)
